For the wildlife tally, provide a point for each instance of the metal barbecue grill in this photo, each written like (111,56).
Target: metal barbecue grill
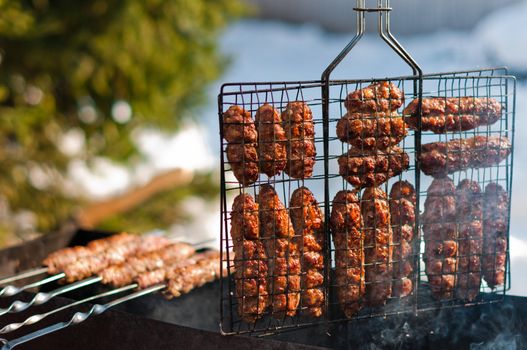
(326,99)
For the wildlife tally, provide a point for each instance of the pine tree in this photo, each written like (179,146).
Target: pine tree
(65,65)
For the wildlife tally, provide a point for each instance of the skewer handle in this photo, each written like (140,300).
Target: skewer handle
(80,317)
(24,274)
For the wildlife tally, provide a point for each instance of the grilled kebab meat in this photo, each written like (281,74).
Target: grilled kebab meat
(440,114)
(149,278)
(300,131)
(115,254)
(402,211)
(470,232)
(250,259)
(378,97)
(58,260)
(308,223)
(346,227)
(495,227)
(125,273)
(371,131)
(271,140)
(438,159)
(282,249)
(378,249)
(241,135)
(185,278)
(372,167)
(440,234)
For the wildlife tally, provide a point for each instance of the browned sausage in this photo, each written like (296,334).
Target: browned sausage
(440,235)
(346,227)
(368,131)
(469,217)
(241,135)
(378,249)
(299,129)
(271,140)
(378,97)
(440,114)
(441,158)
(282,250)
(308,222)
(402,210)
(495,227)
(250,261)
(372,167)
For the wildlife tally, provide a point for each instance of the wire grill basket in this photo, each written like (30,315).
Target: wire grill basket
(416,245)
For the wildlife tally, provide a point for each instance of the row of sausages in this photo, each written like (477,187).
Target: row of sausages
(465,233)
(279,251)
(278,142)
(373,128)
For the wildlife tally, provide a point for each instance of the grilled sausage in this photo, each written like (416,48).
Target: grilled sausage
(441,158)
(469,217)
(440,114)
(346,228)
(369,131)
(378,249)
(271,140)
(495,227)
(250,261)
(299,129)
(282,250)
(241,135)
(308,223)
(402,211)
(378,97)
(372,167)
(440,235)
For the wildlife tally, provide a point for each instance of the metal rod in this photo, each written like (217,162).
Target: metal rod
(37,318)
(11,290)
(24,274)
(42,297)
(79,317)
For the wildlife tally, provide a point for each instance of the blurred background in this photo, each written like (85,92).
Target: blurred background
(108,114)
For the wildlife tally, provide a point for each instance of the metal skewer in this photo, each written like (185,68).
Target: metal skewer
(24,274)
(11,290)
(79,317)
(37,318)
(42,297)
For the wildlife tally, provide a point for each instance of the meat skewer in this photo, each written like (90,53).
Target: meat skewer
(117,275)
(181,278)
(250,261)
(271,140)
(308,223)
(56,261)
(240,133)
(495,227)
(469,217)
(439,159)
(371,131)
(367,168)
(440,235)
(93,264)
(441,114)
(378,249)
(348,236)
(382,96)
(282,249)
(300,131)
(402,211)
